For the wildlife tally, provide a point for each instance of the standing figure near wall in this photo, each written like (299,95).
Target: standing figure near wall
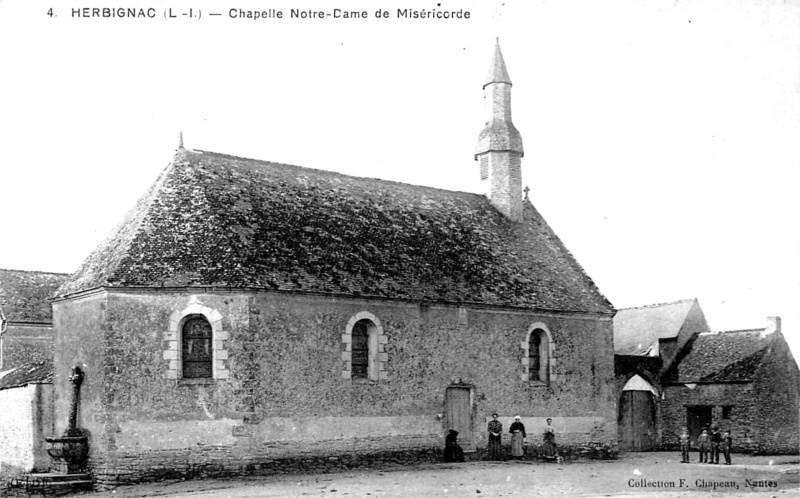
(495,438)
(517,431)
(549,448)
(686,441)
(716,438)
(727,443)
(703,443)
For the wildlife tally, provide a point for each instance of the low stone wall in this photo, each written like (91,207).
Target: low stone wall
(222,462)
(219,462)
(590,451)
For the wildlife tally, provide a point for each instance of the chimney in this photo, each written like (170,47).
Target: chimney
(773,325)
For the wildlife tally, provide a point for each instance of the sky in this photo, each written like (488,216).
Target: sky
(662,138)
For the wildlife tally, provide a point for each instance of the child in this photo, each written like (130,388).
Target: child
(727,442)
(685,442)
(702,442)
(715,439)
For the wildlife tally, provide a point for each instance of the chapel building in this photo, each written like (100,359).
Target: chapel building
(247,315)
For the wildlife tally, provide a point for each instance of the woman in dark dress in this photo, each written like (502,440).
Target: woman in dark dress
(495,438)
(452,451)
(549,449)
(517,431)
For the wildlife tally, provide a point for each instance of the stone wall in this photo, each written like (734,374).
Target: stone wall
(80,339)
(25,418)
(778,390)
(286,395)
(765,414)
(743,420)
(26,343)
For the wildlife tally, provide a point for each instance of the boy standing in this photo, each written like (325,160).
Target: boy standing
(716,439)
(702,442)
(727,442)
(685,442)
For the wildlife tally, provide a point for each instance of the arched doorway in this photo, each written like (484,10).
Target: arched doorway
(636,420)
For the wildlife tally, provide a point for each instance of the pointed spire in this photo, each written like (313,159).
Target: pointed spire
(497,70)
(180,140)
(499,148)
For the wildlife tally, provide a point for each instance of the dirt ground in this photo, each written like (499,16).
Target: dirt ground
(648,474)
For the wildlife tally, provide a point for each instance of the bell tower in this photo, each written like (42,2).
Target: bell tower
(499,148)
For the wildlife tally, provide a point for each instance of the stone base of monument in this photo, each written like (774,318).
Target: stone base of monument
(48,484)
(68,453)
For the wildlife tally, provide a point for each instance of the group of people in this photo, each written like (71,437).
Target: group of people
(710,445)
(454,453)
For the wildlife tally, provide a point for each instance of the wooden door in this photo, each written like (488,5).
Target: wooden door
(636,421)
(459,415)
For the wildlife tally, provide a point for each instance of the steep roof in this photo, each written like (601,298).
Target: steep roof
(721,357)
(24,294)
(29,373)
(637,330)
(218,220)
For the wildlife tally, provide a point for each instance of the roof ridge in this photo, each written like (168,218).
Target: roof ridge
(717,332)
(656,305)
(336,173)
(38,272)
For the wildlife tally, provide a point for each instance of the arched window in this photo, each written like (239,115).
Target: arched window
(535,355)
(537,358)
(364,348)
(196,345)
(361,350)
(196,352)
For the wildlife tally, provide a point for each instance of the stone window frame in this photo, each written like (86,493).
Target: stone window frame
(219,342)
(378,357)
(551,361)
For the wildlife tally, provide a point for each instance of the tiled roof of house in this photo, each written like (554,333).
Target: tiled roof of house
(637,330)
(217,220)
(29,373)
(24,294)
(721,357)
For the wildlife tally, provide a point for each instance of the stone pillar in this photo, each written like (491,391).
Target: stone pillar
(75,397)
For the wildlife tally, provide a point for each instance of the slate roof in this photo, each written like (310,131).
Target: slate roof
(721,357)
(217,220)
(29,373)
(24,294)
(637,330)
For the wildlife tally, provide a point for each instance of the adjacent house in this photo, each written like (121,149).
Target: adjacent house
(646,341)
(672,372)
(26,318)
(26,369)
(744,381)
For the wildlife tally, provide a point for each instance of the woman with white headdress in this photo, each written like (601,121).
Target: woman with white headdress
(517,431)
